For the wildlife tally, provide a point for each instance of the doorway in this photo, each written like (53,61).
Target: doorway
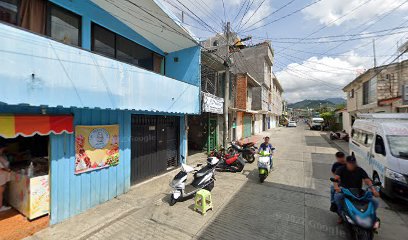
(155,146)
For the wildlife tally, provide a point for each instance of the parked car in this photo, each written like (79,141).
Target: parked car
(292,124)
(380,144)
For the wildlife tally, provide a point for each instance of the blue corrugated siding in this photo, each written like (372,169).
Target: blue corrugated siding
(72,194)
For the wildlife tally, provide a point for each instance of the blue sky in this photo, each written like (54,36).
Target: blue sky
(320,65)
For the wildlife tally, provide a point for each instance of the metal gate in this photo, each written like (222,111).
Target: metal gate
(155,146)
(247,125)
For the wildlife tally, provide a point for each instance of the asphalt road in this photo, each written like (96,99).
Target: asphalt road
(291,204)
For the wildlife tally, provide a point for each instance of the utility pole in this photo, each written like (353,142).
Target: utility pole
(227,85)
(375,57)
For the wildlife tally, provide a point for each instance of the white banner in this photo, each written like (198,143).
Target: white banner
(212,104)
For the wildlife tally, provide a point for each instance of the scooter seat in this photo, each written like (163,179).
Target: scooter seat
(203,171)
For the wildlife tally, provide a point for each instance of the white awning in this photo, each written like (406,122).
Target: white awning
(153,21)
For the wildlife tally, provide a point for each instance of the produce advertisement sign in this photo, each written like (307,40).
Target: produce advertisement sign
(96,147)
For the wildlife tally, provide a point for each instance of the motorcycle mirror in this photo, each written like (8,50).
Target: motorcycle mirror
(333,180)
(199,164)
(377,184)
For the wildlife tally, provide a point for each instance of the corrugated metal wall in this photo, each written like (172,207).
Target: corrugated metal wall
(72,194)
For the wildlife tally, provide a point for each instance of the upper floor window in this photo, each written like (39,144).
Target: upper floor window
(42,17)
(9,11)
(115,46)
(351,93)
(369,91)
(63,26)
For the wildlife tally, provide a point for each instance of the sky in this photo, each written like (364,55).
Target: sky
(320,45)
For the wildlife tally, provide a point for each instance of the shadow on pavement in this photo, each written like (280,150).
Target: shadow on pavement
(272,211)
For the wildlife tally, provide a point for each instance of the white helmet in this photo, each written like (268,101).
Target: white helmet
(212,160)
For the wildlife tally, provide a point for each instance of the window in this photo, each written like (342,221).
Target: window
(351,93)
(379,145)
(128,51)
(103,41)
(9,11)
(64,26)
(115,46)
(369,91)
(398,146)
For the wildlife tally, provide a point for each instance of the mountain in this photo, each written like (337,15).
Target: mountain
(336,101)
(311,104)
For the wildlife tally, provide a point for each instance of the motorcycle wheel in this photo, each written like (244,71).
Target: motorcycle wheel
(363,234)
(262,178)
(250,158)
(209,187)
(172,200)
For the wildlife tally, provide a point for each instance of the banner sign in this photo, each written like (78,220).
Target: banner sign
(96,147)
(212,104)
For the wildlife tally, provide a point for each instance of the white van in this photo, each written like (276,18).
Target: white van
(316,123)
(380,144)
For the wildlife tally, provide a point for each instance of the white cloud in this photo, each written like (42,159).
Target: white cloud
(327,11)
(320,78)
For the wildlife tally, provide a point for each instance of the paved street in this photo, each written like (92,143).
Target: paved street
(291,204)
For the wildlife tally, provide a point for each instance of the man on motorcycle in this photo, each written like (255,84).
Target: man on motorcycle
(267,147)
(351,176)
(340,161)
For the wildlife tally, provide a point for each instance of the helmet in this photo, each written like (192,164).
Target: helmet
(212,160)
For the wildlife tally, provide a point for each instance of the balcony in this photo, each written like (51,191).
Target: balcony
(39,71)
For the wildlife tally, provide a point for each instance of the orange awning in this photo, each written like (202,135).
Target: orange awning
(12,126)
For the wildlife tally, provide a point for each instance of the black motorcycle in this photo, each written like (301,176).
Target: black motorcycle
(248,150)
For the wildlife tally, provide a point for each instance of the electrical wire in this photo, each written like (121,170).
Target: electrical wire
(283,17)
(272,13)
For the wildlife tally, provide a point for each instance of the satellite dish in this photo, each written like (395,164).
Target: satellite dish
(403,48)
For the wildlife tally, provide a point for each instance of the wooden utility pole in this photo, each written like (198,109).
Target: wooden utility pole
(227,85)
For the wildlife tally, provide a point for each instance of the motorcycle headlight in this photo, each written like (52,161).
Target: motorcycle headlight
(364,222)
(395,176)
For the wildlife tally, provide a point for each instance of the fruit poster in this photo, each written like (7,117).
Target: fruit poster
(96,147)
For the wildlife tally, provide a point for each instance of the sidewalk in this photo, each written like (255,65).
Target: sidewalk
(141,201)
(340,144)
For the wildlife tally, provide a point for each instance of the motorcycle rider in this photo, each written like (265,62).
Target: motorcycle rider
(267,147)
(340,161)
(351,176)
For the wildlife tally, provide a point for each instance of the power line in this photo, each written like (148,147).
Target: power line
(256,10)
(331,22)
(381,18)
(285,16)
(245,12)
(277,10)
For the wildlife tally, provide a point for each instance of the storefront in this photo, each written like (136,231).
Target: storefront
(203,134)
(27,150)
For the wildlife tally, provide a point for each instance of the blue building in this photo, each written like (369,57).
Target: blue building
(128,63)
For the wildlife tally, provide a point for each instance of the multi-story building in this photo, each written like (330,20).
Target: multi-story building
(380,89)
(276,102)
(264,96)
(205,130)
(122,76)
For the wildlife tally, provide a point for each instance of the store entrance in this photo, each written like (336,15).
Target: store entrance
(155,144)
(24,177)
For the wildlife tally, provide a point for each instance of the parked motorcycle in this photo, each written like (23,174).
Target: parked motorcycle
(341,135)
(233,161)
(248,150)
(359,213)
(264,164)
(203,179)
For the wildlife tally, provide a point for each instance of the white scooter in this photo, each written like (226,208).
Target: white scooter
(203,179)
(264,164)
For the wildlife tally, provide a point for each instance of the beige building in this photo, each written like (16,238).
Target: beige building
(380,89)
(276,101)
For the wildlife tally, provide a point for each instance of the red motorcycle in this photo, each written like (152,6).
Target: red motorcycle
(229,162)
